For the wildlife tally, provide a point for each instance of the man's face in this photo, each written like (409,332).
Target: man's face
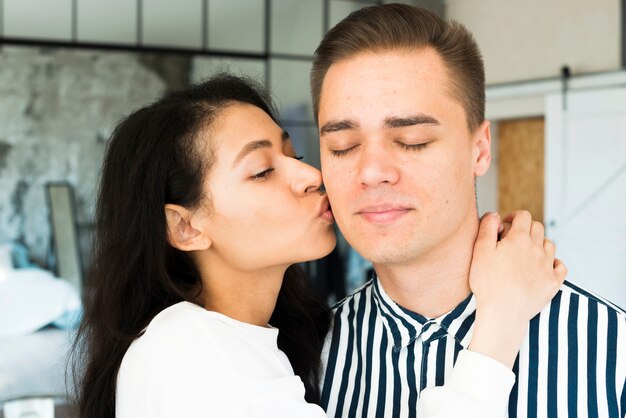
(398,159)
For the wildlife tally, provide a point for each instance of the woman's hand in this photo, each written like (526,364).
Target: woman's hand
(512,279)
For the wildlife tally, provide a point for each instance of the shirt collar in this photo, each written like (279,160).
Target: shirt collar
(407,326)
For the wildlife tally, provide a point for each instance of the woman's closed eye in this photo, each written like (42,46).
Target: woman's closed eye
(263,174)
(266,173)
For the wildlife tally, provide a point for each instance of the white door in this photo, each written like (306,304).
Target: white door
(585,201)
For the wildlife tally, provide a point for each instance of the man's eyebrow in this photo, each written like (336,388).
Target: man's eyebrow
(390,122)
(335,126)
(401,122)
(255,145)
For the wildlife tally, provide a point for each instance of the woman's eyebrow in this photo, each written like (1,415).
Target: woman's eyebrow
(250,147)
(256,145)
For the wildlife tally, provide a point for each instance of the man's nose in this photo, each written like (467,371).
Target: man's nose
(377,166)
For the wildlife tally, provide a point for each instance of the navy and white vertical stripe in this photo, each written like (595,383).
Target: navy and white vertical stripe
(380,356)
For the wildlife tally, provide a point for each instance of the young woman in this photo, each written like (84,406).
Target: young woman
(204,210)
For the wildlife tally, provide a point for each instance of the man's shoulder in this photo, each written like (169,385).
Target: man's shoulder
(579,296)
(575,309)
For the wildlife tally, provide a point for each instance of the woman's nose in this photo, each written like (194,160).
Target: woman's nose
(305,178)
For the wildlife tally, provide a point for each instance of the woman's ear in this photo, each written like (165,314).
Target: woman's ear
(181,232)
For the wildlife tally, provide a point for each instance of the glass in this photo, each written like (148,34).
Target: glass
(166,23)
(38,19)
(111,21)
(342,8)
(289,84)
(237,25)
(297,26)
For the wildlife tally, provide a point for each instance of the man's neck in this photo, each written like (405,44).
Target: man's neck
(435,282)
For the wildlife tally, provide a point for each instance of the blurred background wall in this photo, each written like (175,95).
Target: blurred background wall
(57,109)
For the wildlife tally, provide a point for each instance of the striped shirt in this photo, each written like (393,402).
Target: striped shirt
(380,356)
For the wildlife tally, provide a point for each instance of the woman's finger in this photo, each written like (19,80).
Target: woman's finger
(487,237)
(549,248)
(560,270)
(537,232)
(506,228)
(520,221)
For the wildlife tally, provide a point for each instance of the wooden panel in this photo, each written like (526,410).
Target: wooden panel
(521,166)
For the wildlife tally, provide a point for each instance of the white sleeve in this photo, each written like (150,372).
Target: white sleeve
(174,375)
(212,396)
(478,387)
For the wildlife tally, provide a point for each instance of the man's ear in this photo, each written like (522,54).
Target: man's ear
(181,232)
(482,149)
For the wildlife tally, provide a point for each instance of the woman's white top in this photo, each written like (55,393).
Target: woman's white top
(191,362)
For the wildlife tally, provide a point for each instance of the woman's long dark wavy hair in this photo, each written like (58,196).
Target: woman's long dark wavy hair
(152,159)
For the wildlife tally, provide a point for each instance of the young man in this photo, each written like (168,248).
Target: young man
(399,97)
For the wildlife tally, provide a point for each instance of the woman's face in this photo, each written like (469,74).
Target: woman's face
(266,208)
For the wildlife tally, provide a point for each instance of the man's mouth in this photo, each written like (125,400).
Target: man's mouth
(382,214)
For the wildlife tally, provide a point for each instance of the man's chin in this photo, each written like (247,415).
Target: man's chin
(385,254)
